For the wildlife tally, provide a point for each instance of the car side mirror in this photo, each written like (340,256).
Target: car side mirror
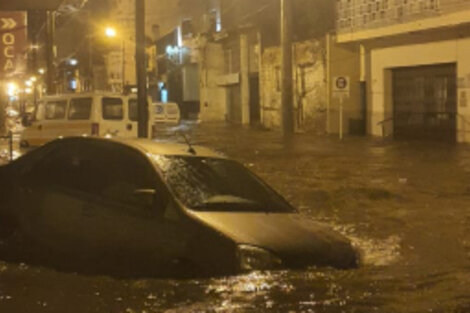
(145,197)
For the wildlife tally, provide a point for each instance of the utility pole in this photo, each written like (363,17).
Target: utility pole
(286,68)
(140,65)
(50,51)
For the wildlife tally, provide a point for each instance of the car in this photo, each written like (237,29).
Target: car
(163,209)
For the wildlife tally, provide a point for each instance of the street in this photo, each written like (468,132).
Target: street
(403,204)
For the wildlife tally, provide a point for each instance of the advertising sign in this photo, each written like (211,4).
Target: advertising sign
(13,42)
(10,5)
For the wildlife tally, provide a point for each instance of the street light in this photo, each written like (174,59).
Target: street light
(110,32)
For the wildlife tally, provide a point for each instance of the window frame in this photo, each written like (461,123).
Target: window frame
(62,117)
(103,109)
(70,109)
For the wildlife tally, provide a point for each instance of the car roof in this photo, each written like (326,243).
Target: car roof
(156,147)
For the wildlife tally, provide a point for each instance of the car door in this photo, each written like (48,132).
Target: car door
(119,224)
(133,117)
(113,122)
(49,206)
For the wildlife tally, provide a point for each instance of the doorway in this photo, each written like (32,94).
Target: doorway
(425,102)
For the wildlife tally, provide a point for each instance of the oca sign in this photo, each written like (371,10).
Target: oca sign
(12,41)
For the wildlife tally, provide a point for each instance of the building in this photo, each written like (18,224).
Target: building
(244,68)
(414,69)
(182,53)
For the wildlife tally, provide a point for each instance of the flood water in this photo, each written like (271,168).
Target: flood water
(405,205)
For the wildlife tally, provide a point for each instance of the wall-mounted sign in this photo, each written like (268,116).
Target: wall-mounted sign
(341,87)
(13,42)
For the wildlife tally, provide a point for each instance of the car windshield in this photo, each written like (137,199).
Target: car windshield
(218,185)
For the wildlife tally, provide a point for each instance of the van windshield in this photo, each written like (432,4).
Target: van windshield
(218,185)
(80,109)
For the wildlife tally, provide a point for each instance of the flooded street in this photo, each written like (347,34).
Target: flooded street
(405,205)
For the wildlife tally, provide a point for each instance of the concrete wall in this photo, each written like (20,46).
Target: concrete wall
(212,95)
(385,59)
(343,61)
(310,92)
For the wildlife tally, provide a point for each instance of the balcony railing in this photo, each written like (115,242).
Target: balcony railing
(357,15)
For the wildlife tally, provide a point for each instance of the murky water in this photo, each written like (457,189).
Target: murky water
(405,205)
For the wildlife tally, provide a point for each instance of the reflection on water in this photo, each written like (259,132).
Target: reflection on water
(405,205)
(374,252)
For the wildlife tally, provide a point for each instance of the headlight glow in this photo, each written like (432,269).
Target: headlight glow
(252,258)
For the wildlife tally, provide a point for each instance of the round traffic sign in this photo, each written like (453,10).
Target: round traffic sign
(341,83)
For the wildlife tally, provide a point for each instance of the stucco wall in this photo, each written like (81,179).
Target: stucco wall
(212,95)
(343,61)
(309,86)
(449,51)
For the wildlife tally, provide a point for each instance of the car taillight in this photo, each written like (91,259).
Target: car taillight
(95,129)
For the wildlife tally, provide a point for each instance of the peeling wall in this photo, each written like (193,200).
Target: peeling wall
(309,86)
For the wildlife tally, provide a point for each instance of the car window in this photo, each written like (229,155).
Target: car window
(105,170)
(211,184)
(133,110)
(80,109)
(113,109)
(55,110)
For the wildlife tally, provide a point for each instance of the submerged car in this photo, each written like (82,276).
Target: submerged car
(158,209)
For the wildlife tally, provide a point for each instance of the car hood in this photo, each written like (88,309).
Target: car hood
(297,240)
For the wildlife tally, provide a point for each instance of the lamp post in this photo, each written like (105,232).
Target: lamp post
(111,32)
(141,68)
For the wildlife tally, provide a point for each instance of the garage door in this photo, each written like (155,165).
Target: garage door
(425,102)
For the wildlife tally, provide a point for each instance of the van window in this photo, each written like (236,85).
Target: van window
(113,109)
(133,110)
(55,110)
(80,109)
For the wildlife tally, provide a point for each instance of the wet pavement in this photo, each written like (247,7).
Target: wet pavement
(405,205)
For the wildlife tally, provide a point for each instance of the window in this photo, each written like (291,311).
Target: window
(80,109)
(55,110)
(107,171)
(133,110)
(113,109)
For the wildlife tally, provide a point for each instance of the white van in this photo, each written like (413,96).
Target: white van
(92,114)
(167,113)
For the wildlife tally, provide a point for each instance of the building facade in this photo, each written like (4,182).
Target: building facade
(414,67)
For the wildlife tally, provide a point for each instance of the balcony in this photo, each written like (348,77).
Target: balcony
(367,19)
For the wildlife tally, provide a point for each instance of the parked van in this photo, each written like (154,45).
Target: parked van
(92,114)
(167,113)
